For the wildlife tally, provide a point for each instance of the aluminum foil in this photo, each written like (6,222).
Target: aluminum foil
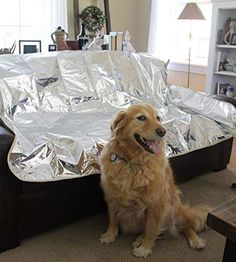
(60,106)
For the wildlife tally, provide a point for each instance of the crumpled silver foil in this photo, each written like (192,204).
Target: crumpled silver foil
(60,106)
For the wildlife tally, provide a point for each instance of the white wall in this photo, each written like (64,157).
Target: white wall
(132,15)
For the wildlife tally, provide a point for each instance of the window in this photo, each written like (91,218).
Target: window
(31,20)
(169,37)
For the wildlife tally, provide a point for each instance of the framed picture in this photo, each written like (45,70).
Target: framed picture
(233,39)
(222,88)
(29,46)
(52,48)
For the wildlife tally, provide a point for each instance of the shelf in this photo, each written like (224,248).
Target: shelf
(225,73)
(219,51)
(226,46)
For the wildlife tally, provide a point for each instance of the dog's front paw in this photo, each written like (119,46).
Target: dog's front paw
(142,251)
(198,243)
(138,242)
(108,237)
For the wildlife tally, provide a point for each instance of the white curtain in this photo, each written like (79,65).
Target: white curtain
(31,20)
(54,13)
(161,29)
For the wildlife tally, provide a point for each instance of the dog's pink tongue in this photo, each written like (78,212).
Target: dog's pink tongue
(155,147)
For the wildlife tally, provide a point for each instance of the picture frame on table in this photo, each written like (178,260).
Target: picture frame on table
(29,46)
(233,39)
(52,48)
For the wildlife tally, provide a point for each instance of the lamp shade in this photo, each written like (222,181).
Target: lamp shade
(191,11)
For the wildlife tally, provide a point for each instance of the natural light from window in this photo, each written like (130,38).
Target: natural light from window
(169,37)
(30,20)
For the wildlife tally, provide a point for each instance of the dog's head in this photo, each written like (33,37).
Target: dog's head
(141,124)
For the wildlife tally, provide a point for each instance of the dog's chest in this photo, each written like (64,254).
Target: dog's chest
(133,184)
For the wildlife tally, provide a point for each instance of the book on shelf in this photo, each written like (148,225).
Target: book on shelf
(114,40)
(218,61)
(119,41)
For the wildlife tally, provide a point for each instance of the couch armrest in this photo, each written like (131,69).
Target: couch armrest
(225,98)
(206,105)
(6,139)
(2,124)
(9,196)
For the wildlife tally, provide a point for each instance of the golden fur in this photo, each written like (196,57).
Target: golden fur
(139,187)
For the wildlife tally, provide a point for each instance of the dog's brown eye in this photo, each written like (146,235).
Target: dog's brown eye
(158,118)
(141,118)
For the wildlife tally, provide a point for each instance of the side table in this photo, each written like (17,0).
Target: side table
(223,220)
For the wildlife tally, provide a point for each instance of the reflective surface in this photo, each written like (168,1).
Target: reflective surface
(60,107)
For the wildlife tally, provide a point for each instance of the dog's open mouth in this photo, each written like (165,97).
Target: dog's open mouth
(152,146)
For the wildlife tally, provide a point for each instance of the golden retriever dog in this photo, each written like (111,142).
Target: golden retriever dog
(138,184)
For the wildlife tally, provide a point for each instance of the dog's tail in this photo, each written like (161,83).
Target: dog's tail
(194,217)
(198,217)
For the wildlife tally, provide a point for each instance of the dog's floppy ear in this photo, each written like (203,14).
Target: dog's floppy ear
(118,122)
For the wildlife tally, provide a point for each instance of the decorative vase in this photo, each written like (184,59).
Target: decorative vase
(82,38)
(59,37)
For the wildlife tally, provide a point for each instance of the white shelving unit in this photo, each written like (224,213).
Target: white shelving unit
(225,73)
(221,10)
(226,46)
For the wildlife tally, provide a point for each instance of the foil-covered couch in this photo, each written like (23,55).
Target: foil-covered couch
(56,111)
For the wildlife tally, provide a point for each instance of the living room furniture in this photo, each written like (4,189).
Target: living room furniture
(27,208)
(221,11)
(223,220)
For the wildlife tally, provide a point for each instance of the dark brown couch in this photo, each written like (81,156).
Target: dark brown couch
(28,208)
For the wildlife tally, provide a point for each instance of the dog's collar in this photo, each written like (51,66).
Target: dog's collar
(114,158)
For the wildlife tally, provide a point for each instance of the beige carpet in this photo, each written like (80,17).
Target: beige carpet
(79,241)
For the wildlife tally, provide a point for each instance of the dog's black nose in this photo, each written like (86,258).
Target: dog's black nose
(161,131)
